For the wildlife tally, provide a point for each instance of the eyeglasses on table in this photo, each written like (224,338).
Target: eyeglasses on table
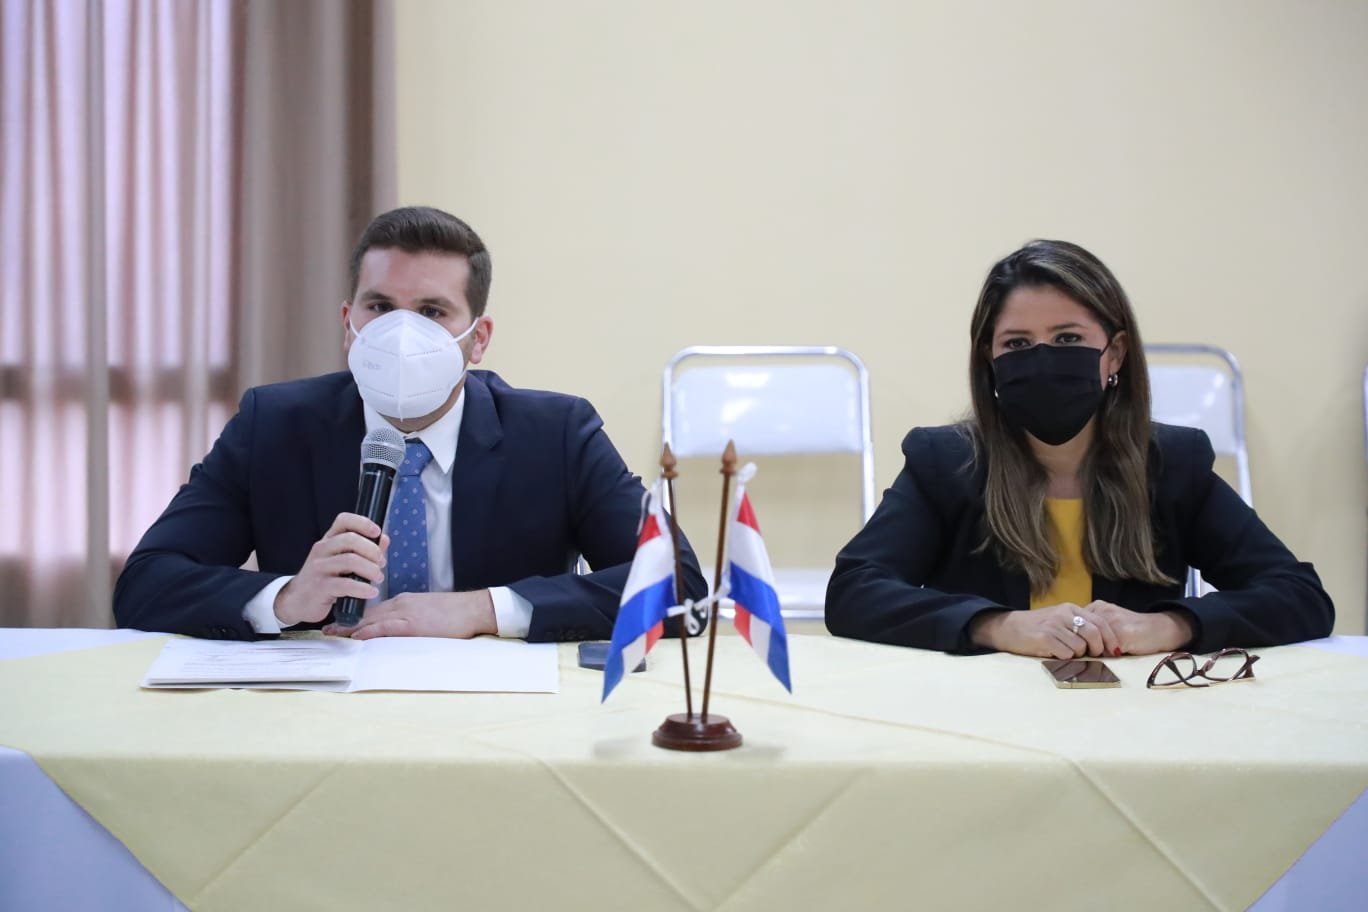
(1181,669)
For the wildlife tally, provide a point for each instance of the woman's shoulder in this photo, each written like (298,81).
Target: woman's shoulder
(1181,449)
(939,452)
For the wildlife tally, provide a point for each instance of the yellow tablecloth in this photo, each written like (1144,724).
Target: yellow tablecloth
(892,778)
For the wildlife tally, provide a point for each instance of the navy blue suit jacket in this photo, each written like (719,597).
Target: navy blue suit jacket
(536,482)
(915,575)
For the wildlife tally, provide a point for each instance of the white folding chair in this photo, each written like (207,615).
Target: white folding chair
(1202,386)
(773,400)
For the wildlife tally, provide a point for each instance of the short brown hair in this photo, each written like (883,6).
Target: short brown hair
(423,229)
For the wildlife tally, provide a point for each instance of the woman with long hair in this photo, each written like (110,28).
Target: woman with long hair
(1061,496)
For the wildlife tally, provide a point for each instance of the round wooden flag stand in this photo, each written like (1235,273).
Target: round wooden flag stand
(683,732)
(705,731)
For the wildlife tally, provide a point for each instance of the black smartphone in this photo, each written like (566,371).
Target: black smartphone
(594,654)
(1080,673)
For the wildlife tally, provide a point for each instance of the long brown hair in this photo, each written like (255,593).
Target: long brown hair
(1119,536)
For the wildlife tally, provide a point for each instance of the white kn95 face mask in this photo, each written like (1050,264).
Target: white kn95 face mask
(406,365)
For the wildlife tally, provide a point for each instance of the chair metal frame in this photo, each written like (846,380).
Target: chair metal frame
(782,351)
(1195,583)
(1241,453)
(760,352)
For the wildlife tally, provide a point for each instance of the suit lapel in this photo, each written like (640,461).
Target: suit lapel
(336,458)
(475,478)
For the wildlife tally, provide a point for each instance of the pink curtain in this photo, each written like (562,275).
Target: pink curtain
(132,204)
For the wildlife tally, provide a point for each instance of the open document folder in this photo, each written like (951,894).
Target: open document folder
(338,664)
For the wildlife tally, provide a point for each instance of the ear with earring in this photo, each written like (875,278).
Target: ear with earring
(1113,380)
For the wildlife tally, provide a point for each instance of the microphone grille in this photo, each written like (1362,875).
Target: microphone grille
(385,446)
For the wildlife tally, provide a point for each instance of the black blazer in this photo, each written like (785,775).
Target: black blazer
(536,482)
(914,577)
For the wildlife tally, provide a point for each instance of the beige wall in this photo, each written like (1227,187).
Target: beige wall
(652,175)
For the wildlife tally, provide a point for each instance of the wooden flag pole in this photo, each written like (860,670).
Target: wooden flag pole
(668,465)
(728,470)
(702,733)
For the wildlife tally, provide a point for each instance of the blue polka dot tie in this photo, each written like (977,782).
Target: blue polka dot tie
(408,552)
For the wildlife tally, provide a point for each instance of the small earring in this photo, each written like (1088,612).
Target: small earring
(1113,380)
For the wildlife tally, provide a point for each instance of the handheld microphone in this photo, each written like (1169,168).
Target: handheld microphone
(382,452)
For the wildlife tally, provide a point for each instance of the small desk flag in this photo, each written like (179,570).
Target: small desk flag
(750,584)
(647,597)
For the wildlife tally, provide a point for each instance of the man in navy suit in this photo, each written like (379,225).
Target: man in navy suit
(512,485)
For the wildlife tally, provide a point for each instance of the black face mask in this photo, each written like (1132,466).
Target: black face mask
(1050,391)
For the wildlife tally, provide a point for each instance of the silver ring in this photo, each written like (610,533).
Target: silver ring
(1077,624)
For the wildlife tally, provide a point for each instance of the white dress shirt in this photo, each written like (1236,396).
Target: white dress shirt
(512,612)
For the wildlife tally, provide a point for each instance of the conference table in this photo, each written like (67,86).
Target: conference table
(889,778)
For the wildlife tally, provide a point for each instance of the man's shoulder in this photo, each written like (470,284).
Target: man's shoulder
(532,417)
(302,402)
(521,400)
(322,387)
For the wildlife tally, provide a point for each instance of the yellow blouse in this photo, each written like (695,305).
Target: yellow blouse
(1074,582)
